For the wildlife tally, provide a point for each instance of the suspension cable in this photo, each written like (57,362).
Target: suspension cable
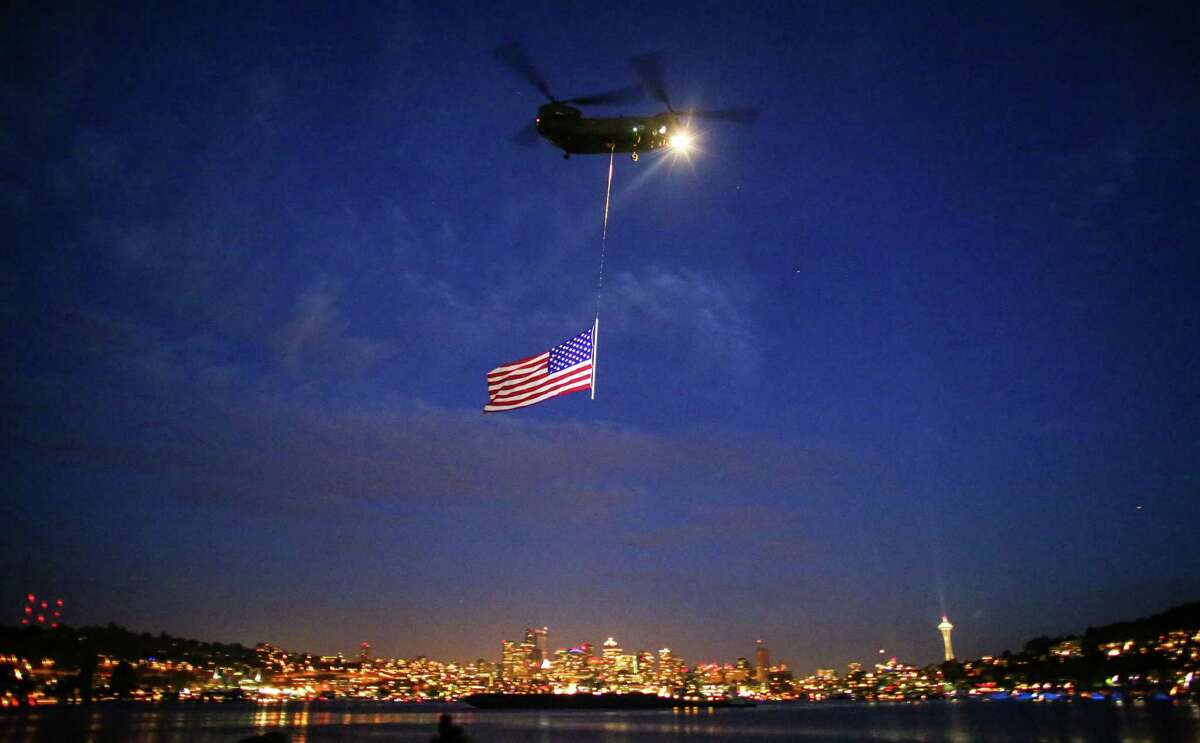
(612,152)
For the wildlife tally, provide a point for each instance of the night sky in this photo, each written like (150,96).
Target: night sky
(926,335)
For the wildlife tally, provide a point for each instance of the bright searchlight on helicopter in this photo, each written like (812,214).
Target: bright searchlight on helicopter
(681,140)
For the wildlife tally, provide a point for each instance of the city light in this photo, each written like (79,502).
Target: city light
(188,670)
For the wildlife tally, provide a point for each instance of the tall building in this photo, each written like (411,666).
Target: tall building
(945,627)
(645,664)
(530,649)
(742,671)
(589,653)
(512,665)
(610,652)
(572,665)
(762,662)
(541,650)
(670,668)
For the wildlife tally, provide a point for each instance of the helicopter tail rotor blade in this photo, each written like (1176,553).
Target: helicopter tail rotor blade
(735,115)
(514,57)
(618,95)
(649,70)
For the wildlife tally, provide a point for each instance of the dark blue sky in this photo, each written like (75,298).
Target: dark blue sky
(930,325)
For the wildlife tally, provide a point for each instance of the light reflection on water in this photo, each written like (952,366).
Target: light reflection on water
(1001,722)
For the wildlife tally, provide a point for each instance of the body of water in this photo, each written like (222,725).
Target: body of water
(957,722)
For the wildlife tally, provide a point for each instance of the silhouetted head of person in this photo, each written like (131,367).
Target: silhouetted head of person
(448,732)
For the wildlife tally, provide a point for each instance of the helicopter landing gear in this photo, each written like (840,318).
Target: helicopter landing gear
(634,155)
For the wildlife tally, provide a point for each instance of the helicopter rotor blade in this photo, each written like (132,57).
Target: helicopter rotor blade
(735,115)
(514,57)
(647,67)
(617,95)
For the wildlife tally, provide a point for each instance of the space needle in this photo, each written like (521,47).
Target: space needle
(945,628)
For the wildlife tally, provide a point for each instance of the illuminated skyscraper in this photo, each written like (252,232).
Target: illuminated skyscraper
(945,628)
(742,671)
(670,669)
(610,652)
(625,663)
(571,666)
(645,665)
(762,662)
(512,664)
(543,652)
(531,653)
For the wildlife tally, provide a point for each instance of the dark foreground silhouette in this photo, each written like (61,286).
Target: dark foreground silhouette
(448,732)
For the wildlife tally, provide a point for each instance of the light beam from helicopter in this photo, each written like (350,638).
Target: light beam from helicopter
(681,141)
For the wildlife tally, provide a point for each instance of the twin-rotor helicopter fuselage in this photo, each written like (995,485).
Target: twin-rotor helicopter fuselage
(575,134)
(565,126)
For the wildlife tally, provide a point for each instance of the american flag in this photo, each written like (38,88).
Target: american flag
(563,369)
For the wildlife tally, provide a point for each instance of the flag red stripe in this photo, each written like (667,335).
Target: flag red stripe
(517,379)
(581,386)
(516,385)
(529,381)
(539,398)
(517,376)
(581,372)
(520,362)
(500,371)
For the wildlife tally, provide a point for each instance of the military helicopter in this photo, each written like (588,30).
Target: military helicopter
(567,128)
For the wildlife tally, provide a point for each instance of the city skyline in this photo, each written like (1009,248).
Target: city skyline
(920,341)
(535,648)
(1150,658)
(534,643)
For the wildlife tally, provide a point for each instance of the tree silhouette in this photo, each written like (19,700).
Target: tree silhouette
(123,681)
(87,673)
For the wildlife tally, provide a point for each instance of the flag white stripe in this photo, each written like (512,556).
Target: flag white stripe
(496,389)
(527,382)
(579,371)
(583,385)
(521,365)
(515,379)
(521,395)
(532,361)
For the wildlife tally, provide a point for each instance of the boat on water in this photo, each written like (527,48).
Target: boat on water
(632,700)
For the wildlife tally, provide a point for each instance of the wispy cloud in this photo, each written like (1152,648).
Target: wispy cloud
(277,450)
(317,335)
(707,320)
(700,325)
